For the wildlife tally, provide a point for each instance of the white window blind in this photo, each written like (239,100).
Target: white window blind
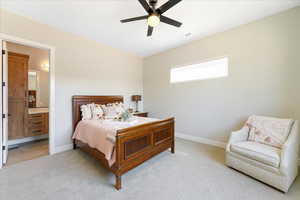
(206,70)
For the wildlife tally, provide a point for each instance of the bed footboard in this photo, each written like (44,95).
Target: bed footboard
(137,144)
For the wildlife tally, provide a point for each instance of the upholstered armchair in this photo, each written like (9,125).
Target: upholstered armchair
(277,167)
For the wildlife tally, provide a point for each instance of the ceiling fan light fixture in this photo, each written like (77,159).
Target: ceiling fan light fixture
(153,20)
(155,15)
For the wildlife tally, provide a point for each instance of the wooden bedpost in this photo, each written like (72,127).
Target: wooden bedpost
(118,182)
(173,147)
(74,144)
(173,138)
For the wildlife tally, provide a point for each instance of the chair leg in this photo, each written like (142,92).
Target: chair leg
(118,182)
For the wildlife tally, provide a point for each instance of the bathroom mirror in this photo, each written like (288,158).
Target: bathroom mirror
(32,80)
(32,89)
(38,88)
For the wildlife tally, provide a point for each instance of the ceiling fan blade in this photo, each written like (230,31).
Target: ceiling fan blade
(145,5)
(134,19)
(150,30)
(167,6)
(170,21)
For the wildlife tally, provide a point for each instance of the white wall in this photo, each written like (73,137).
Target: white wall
(82,67)
(264,69)
(37,58)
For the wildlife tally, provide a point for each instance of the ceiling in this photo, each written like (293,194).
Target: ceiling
(99,20)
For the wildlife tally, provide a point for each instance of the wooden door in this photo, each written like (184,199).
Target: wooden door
(17,95)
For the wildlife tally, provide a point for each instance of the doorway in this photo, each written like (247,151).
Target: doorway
(27,100)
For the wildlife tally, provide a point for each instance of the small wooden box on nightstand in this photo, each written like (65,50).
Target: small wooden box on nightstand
(141,114)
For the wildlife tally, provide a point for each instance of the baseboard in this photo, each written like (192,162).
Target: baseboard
(63,148)
(201,140)
(205,141)
(28,139)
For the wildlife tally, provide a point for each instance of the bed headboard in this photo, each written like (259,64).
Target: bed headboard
(77,101)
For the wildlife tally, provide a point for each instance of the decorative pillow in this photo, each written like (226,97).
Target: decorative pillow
(109,111)
(97,111)
(113,110)
(119,107)
(268,130)
(86,112)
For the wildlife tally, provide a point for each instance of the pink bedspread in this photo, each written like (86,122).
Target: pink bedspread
(101,134)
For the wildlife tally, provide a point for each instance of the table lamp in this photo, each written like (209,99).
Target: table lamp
(136,98)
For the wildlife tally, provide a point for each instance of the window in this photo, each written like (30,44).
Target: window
(206,70)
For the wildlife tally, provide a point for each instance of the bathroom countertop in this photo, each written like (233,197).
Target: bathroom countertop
(37,110)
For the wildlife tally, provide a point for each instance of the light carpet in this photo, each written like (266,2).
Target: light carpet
(194,172)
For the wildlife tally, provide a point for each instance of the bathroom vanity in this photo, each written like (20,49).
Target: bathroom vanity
(38,121)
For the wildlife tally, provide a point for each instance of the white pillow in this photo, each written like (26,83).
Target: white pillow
(97,111)
(119,107)
(86,112)
(109,111)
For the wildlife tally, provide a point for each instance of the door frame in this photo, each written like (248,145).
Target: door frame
(51,49)
(1,112)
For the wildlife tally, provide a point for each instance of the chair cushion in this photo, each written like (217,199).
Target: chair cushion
(260,152)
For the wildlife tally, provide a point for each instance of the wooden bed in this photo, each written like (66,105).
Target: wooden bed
(133,145)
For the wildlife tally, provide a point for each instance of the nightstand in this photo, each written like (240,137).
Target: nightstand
(141,114)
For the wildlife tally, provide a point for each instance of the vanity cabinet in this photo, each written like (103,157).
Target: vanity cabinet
(38,124)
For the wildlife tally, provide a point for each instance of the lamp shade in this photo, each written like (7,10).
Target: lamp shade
(136,97)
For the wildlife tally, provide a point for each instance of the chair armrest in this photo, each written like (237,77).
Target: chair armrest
(290,151)
(238,136)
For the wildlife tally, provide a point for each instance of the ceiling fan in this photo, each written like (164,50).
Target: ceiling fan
(155,16)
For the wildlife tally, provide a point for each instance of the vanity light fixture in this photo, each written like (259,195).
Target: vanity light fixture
(45,67)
